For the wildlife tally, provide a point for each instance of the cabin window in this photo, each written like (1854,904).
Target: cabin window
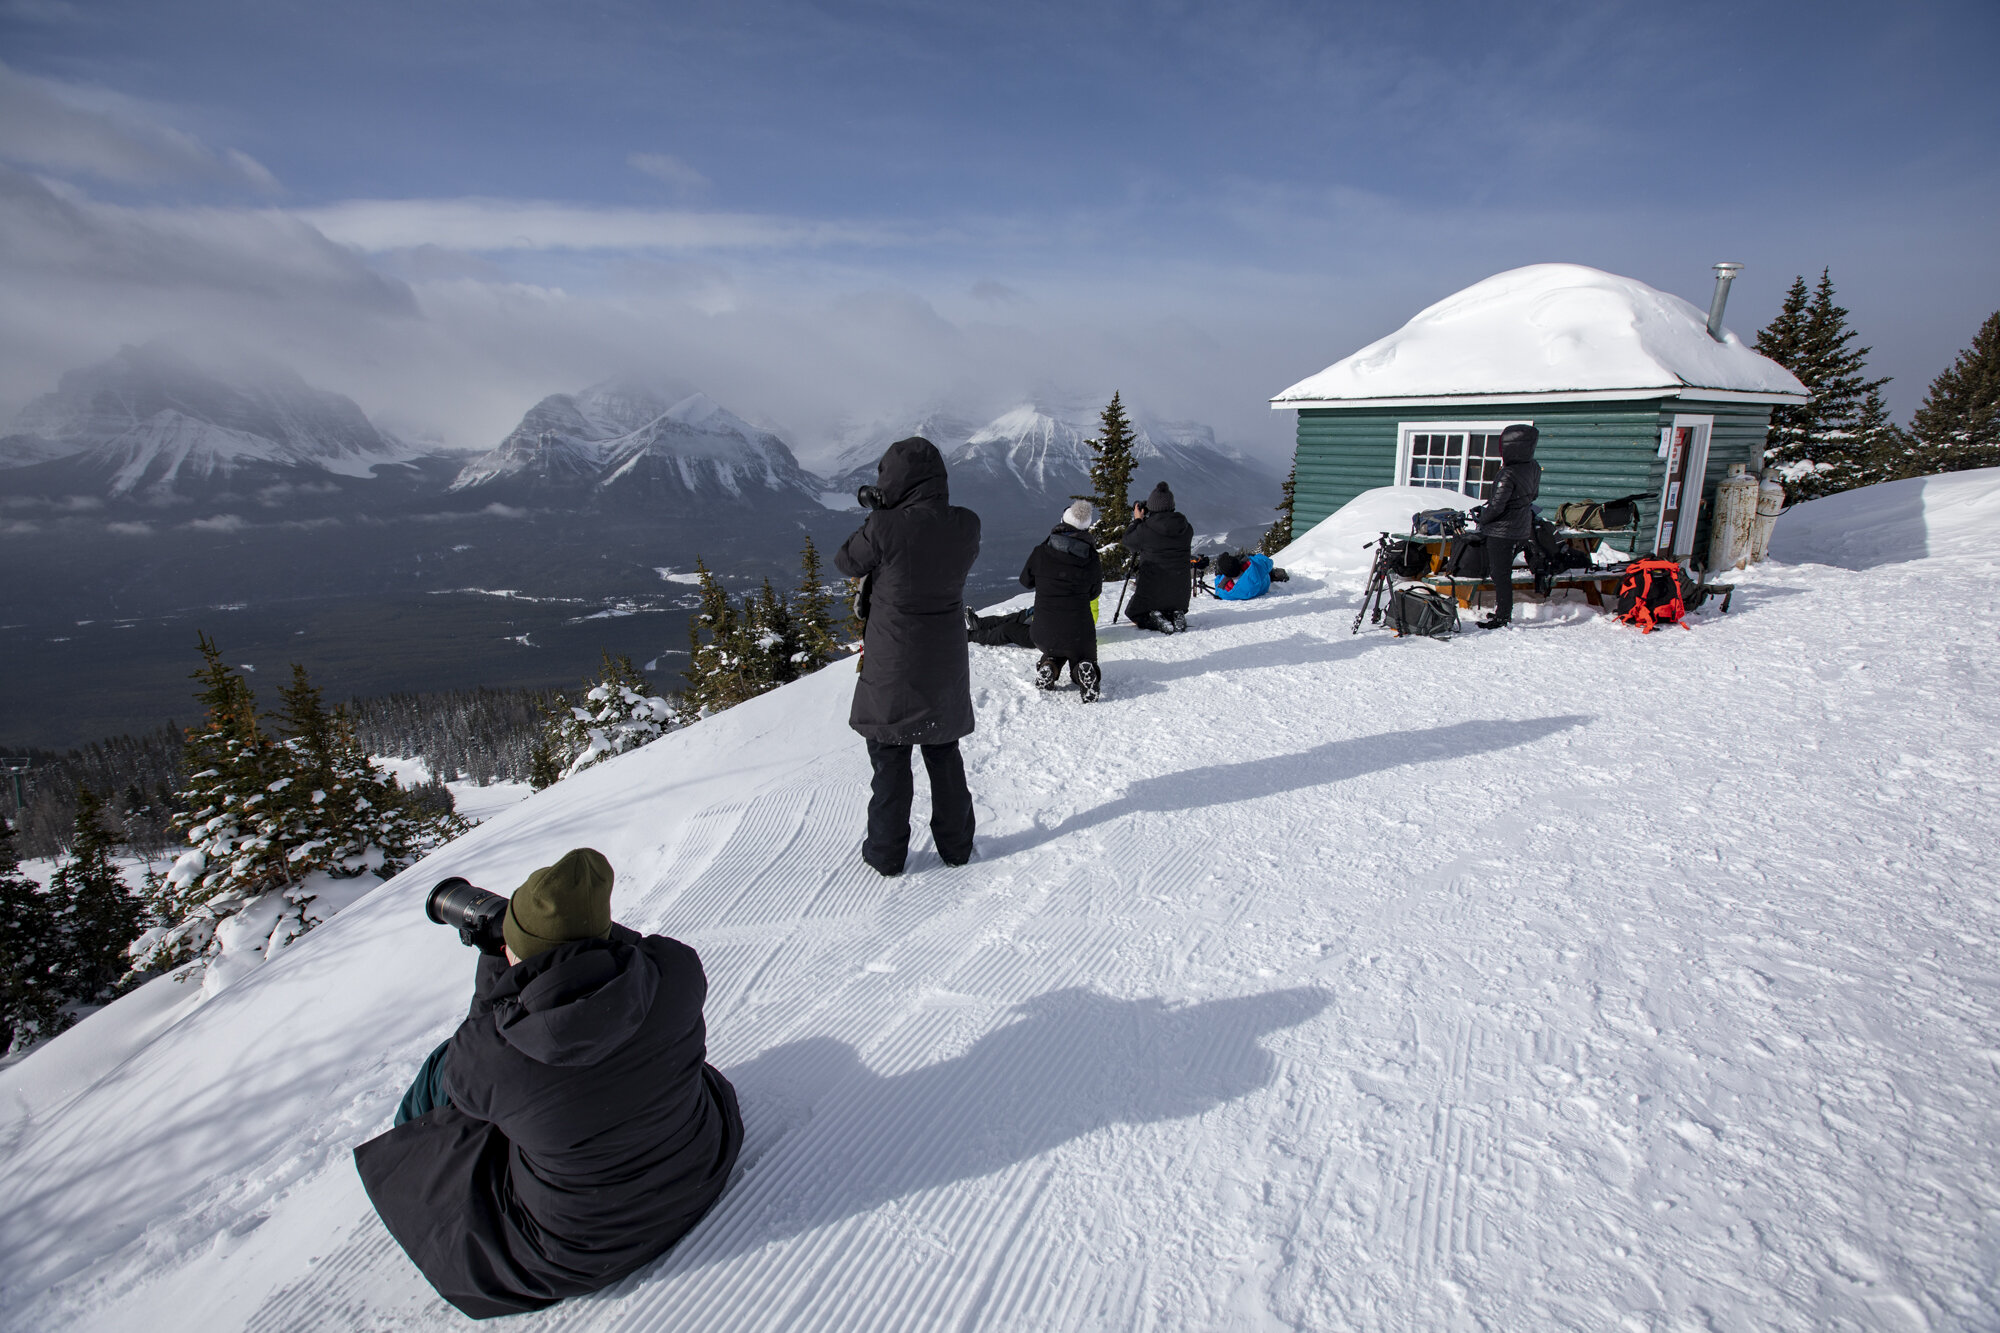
(1458,456)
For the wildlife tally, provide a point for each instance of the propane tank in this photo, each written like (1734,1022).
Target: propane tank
(1770,504)
(1735,514)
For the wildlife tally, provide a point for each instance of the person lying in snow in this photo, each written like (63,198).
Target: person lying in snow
(1015,629)
(1238,578)
(1161,541)
(570,1131)
(1067,577)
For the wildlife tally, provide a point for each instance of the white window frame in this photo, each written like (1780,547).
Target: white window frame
(1697,471)
(1406,429)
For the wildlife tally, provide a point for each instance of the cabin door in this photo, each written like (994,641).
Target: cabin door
(1685,444)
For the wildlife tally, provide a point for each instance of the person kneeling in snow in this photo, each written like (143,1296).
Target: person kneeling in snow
(1161,541)
(1067,577)
(1238,578)
(571,1130)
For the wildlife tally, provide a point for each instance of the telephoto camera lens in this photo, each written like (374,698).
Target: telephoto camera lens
(475,913)
(869,497)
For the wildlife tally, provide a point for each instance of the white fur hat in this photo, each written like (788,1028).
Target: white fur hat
(1078,514)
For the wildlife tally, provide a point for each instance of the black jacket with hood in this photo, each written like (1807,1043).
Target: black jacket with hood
(585,1135)
(1508,513)
(1161,542)
(916,677)
(1066,575)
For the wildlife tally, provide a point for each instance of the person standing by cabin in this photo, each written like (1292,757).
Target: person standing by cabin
(1067,577)
(915,688)
(1161,541)
(1507,519)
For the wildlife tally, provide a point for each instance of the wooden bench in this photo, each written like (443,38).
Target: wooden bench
(1464,587)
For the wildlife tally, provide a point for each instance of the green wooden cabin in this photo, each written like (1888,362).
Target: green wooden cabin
(1629,391)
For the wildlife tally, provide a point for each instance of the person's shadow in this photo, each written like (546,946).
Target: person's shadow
(826,1138)
(1335,761)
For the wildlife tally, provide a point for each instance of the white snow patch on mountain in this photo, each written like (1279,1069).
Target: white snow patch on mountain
(1547,328)
(1557,977)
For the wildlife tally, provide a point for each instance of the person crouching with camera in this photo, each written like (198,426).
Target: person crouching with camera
(1161,541)
(571,1130)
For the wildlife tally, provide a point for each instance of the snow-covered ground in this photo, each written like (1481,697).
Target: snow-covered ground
(1556,978)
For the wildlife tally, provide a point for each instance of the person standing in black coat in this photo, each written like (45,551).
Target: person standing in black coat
(1507,519)
(1161,541)
(1067,577)
(571,1130)
(915,689)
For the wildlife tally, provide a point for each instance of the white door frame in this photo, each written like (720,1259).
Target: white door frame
(1689,516)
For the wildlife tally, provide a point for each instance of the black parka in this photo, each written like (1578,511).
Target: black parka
(585,1135)
(916,676)
(1507,513)
(1066,575)
(1161,542)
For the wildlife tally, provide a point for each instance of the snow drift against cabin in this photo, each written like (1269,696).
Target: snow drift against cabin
(1547,329)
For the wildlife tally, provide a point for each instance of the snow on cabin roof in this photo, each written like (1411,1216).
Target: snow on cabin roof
(1549,331)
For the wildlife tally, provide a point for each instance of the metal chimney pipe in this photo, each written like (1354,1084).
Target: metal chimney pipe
(1725,273)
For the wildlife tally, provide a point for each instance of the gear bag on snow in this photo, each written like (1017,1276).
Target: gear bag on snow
(1653,594)
(1437,523)
(1422,611)
(1600,515)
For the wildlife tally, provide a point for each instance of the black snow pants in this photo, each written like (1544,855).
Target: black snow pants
(888,841)
(1500,553)
(1016,629)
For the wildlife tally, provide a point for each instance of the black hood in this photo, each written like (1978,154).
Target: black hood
(576,1003)
(1517,444)
(1161,501)
(912,470)
(1070,542)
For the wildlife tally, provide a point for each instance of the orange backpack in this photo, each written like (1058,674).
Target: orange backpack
(1653,594)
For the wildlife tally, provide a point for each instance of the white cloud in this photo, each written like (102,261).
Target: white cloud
(486,225)
(669,171)
(220,523)
(73,129)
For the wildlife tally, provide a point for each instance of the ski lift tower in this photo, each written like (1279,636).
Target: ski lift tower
(17,771)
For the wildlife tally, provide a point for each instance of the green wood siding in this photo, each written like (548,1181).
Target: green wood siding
(1588,451)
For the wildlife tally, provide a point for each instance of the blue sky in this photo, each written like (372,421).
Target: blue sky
(831,213)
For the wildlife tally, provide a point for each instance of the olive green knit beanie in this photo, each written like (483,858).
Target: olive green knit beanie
(570,900)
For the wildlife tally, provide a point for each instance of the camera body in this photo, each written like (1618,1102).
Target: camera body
(869,497)
(475,913)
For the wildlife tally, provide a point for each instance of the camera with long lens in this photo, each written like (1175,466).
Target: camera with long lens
(475,913)
(870,497)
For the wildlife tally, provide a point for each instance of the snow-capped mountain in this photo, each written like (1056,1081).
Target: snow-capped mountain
(1025,464)
(622,438)
(152,422)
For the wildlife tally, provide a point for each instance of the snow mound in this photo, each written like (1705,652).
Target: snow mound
(1955,515)
(1548,328)
(1335,548)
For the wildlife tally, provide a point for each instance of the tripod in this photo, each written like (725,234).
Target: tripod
(1381,578)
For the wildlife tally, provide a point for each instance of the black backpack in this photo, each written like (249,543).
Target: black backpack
(1467,558)
(1550,556)
(1437,523)
(1408,559)
(1424,611)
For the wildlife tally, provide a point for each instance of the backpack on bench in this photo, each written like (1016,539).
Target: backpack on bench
(1600,515)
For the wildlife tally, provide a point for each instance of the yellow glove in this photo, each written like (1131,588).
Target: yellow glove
(1093,610)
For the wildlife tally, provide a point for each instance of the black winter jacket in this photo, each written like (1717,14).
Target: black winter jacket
(916,676)
(1507,513)
(1161,542)
(1066,575)
(586,1134)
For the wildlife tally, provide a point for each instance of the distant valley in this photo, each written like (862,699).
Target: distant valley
(149,497)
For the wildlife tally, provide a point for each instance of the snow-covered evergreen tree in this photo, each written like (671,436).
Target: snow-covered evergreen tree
(1110,486)
(774,642)
(721,669)
(31,950)
(1958,425)
(97,917)
(813,612)
(612,714)
(1279,535)
(1818,446)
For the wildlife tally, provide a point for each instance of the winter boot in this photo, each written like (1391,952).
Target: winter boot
(1048,674)
(1180,622)
(1494,622)
(1159,622)
(971,621)
(1088,678)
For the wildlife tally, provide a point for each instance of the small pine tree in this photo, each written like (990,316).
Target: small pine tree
(771,640)
(1958,425)
(1818,445)
(612,714)
(812,611)
(97,916)
(1279,535)
(1111,467)
(721,669)
(31,952)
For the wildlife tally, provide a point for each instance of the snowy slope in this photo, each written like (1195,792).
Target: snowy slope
(1547,328)
(1562,977)
(151,420)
